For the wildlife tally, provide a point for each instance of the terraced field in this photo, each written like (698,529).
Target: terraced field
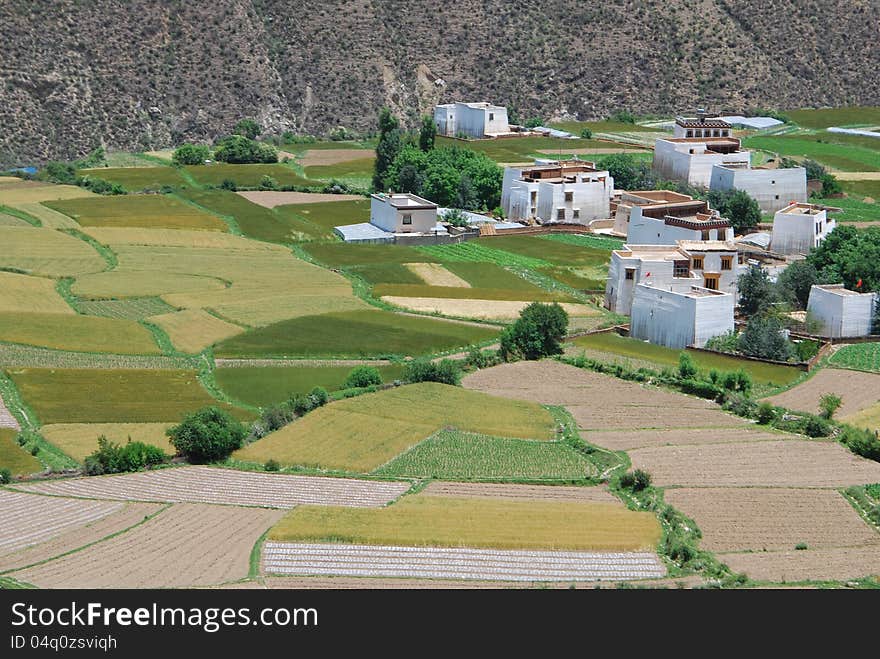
(81,439)
(193,330)
(77,333)
(247,176)
(24,294)
(146,211)
(135,179)
(858,356)
(13,457)
(858,391)
(519,492)
(47,252)
(225,486)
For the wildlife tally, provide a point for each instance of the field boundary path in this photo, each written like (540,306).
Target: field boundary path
(457,563)
(7,420)
(226,486)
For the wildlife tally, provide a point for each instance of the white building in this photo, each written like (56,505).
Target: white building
(771,188)
(841,312)
(570,191)
(403,213)
(697,145)
(680,219)
(675,268)
(677,319)
(799,228)
(475,120)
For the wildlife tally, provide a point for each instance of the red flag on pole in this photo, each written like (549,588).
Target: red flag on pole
(859,284)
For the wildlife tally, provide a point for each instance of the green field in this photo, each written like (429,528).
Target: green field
(328,214)
(842,156)
(583,240)
(135,179)
(613,343)
(859,356)
(362,433)
(14,458)
(854,209)
(841,117)
(524,149)
(452,455)
(557,252)
(134,308)
(267,385)
(254,221)
(336,255)
(386,273)
(248,176)
(423,520)
(478,251)
(78,333)
(81,439)
(147,211)
(862,189)
(354,334)
(607,126)
(328,145)
(113,396)
(357,173)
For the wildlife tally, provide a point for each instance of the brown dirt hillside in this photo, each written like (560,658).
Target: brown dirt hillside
(147,73)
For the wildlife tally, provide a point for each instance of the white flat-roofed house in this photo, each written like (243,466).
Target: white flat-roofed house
(705,264)
(667,223)
(569,191)
(771,188)
(475,120)
(799,228)
(677,319)
(403,213)
(842,313)
(697,145)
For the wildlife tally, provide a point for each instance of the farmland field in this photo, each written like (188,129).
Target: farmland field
(113,396)
(13,457)
(356,334)
(857,391)
(79,333)
(247,176)
(329,214)
(18,191)
(858,356)
(850,116)
(357,173)
(519,492)
(135,179)
(273,198)
(116,236)
(867,418)
(491,309)
(451,455)
(627,440)
(523,149)
(211,544)
(147,211)
(81,439)
(854,209)
(23,294)
(133,308)
(47,252)
(226,486)
(363,433)
(262,386)
(48,217)
(846,157)
(477,251)
(193,330)
(340,255)
(837,563)
(611,342)
(422,520)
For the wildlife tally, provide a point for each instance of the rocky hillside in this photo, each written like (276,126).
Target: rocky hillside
(148,73)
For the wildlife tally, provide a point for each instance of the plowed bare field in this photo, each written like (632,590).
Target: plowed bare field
(787,463)
(857,390)
(186,545)
(626,440)
(127,516)
(29,518)
(271,199)
(226,486)
(315,157)
(779,566)
(499,491)
(599,401)
(758,519)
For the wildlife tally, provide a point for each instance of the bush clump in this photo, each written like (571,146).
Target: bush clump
(111,458)
(362,376)
(5,476)
(446,371)
(538,332)
(636,480)
(208,435)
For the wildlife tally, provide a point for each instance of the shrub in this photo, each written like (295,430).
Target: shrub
(740,405)
(686,367)
(816,426)
(763,338)
(319,397)
(5,476)
(862,442)
(736,206)
(800,546)
(248,128)
(228,184)
(362,376)
(766,414)
(700,388)
(476,359)
(268,183)
(271,465)
(636,480)
(737,381)
(191,154)
(586,133)
(445,371)
(110,458)
(207,435)
(538,332)
(829,403)
(238,149)
(275,417)
(300,405)
(456,217)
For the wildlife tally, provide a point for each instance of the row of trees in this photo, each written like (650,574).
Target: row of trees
(241,147)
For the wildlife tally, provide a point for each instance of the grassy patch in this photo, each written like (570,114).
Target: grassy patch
(247,176)
(423,520)
(360,434)
(846,157)
(868,418)
(387,273)
(582,281)
(557,252)
(338,255)
(262,386)
(135,179)
(354,334)
(583,240)
(133,308)
(78,333)
(81,439)
(357,173)
(147,211)
(14,458)
(329,214)
(859,356)
(854,209)
(478,251)
(454,455)
(611,342)
(856,115)
(113,396)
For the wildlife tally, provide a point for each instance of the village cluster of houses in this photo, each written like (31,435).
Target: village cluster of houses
(676,275)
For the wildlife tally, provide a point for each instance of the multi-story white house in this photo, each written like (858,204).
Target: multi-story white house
(678,319)
(771,188)
(402,213)
(676,268)
(842,312)
(570,191)
(667,222)
(475,120)
(799,228)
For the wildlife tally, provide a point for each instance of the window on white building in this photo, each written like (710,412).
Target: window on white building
(630,274)
(576,214)
(491,116)
(560,214)
(727,263)
(407,219)
(569,196)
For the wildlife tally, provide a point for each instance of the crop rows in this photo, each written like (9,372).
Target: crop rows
(16,355)
(28,518)
(457,563)
(224,486)
(473,252)
(860,356)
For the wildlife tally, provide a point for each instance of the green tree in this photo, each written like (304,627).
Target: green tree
(268,183)
(623,116)
(736,206)
(830,185)
(627,172)
(456,217)
(191,154)
(829,403)
(795,282)
(248,128)
(755,291)
(208,435)
(586,133)
(686,367)
(363,376)
(763,338)
(238,149)
(815,170)
(534,122)
(538,332)
(427,133)
(446,371)
(387,148)
(849,255)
